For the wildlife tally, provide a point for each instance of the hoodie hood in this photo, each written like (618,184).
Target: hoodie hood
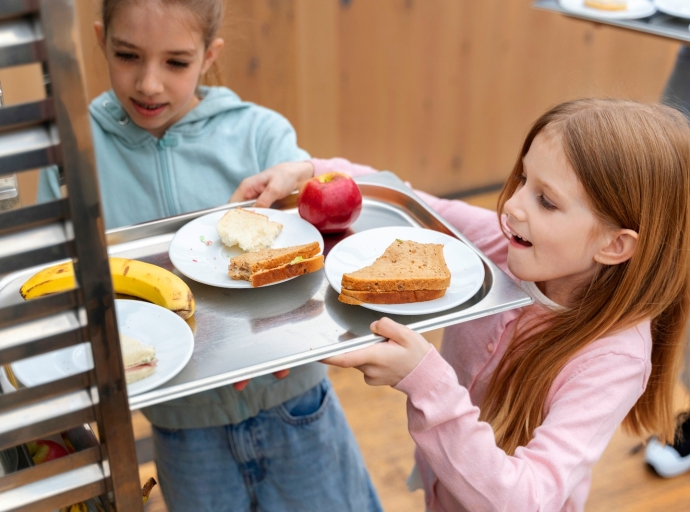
(107,111)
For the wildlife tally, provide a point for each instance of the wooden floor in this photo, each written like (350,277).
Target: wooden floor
(622,482)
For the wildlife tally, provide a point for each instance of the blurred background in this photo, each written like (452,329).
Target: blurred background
(441,92)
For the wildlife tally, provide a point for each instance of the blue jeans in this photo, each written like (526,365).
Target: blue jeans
(299,456)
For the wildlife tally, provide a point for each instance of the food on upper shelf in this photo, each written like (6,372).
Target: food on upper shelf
(407,271)
(607,5)
(249,230)
(130,277)
(272,265)
(138,359)
(45,450)
(331,202)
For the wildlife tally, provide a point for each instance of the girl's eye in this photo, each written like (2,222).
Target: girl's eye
(178,64)
(127,57)
(546,203)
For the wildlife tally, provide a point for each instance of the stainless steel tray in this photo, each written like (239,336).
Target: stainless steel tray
(244,333)
(658,24)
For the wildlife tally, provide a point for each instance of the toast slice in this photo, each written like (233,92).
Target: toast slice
(404,266)
(403,297)
(250,230)
(272,265)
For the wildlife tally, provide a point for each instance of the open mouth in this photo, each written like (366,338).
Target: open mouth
(148,106)
(522,241)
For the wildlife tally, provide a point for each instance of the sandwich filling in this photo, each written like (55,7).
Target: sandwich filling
(138,359)
(272,265)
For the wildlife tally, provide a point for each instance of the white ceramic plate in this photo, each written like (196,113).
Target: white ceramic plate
(197,252)
(679,8)
(146,322)
(636,9)
(361,249)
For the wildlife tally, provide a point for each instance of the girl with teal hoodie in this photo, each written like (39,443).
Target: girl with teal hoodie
(166,146)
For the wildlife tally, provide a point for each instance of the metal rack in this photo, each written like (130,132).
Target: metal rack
(55,131)
(658,24)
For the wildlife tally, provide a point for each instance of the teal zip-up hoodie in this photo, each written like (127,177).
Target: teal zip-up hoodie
(197,164)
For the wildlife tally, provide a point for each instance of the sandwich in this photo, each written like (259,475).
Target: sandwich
(250,230)
(607,5)
(139,359)
(406,272)
(272,265)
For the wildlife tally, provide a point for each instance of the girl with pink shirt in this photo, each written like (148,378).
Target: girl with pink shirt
(594,223)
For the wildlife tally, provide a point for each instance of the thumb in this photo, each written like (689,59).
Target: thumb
(393,331)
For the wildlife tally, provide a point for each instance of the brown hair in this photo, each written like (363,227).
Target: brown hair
(209,16)
(633,161)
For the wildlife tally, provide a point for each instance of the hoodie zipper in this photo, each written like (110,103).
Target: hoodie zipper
(167,141)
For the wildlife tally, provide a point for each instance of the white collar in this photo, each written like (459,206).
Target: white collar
(533,290)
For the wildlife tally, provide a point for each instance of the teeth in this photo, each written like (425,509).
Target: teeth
(149,107)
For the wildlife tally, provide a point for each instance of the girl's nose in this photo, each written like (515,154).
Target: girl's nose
(513,206)
(149,82)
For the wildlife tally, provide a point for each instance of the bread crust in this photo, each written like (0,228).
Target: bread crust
(286,271)
(271,258)
(402,297)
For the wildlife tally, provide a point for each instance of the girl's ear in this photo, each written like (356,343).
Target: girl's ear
(100,34)
(211,54)
(620,248)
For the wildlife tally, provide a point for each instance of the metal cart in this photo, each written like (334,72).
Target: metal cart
(658,24)
(56,132)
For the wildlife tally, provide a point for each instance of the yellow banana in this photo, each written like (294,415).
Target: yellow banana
(130,277)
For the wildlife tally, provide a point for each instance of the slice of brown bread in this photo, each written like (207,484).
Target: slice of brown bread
(286,271)
(252,262)
(404,266)
(403,297)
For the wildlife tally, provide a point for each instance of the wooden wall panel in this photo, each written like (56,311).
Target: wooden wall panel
(439,91)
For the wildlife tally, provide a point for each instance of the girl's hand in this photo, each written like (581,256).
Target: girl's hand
(274,183)
(280,374)
(388,362)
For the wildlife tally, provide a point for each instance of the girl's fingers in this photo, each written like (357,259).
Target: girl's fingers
(281,374)
(367,355)
(239,386)
(393,331)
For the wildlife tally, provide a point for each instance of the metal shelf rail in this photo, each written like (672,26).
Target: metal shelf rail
(56,131)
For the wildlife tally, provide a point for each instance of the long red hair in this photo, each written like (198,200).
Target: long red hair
(633,160)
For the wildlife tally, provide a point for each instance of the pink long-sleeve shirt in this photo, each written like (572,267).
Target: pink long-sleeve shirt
(459,463)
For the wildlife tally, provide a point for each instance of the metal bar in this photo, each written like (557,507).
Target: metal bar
(56,491)
(9,8)
(29,148)
(93,269)
(39,308)
(36,257)
(17,351)
(32,216)
(25,114)
(28,396)
(47,469)
(21,42)
(50,416)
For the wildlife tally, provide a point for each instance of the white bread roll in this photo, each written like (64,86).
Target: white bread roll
(251,231)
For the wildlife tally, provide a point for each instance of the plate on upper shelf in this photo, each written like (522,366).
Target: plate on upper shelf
(197,252)
(678,8)
(361,249)
(150,324)
(636,9)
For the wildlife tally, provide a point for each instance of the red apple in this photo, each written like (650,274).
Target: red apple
(44,450)
(331,202)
